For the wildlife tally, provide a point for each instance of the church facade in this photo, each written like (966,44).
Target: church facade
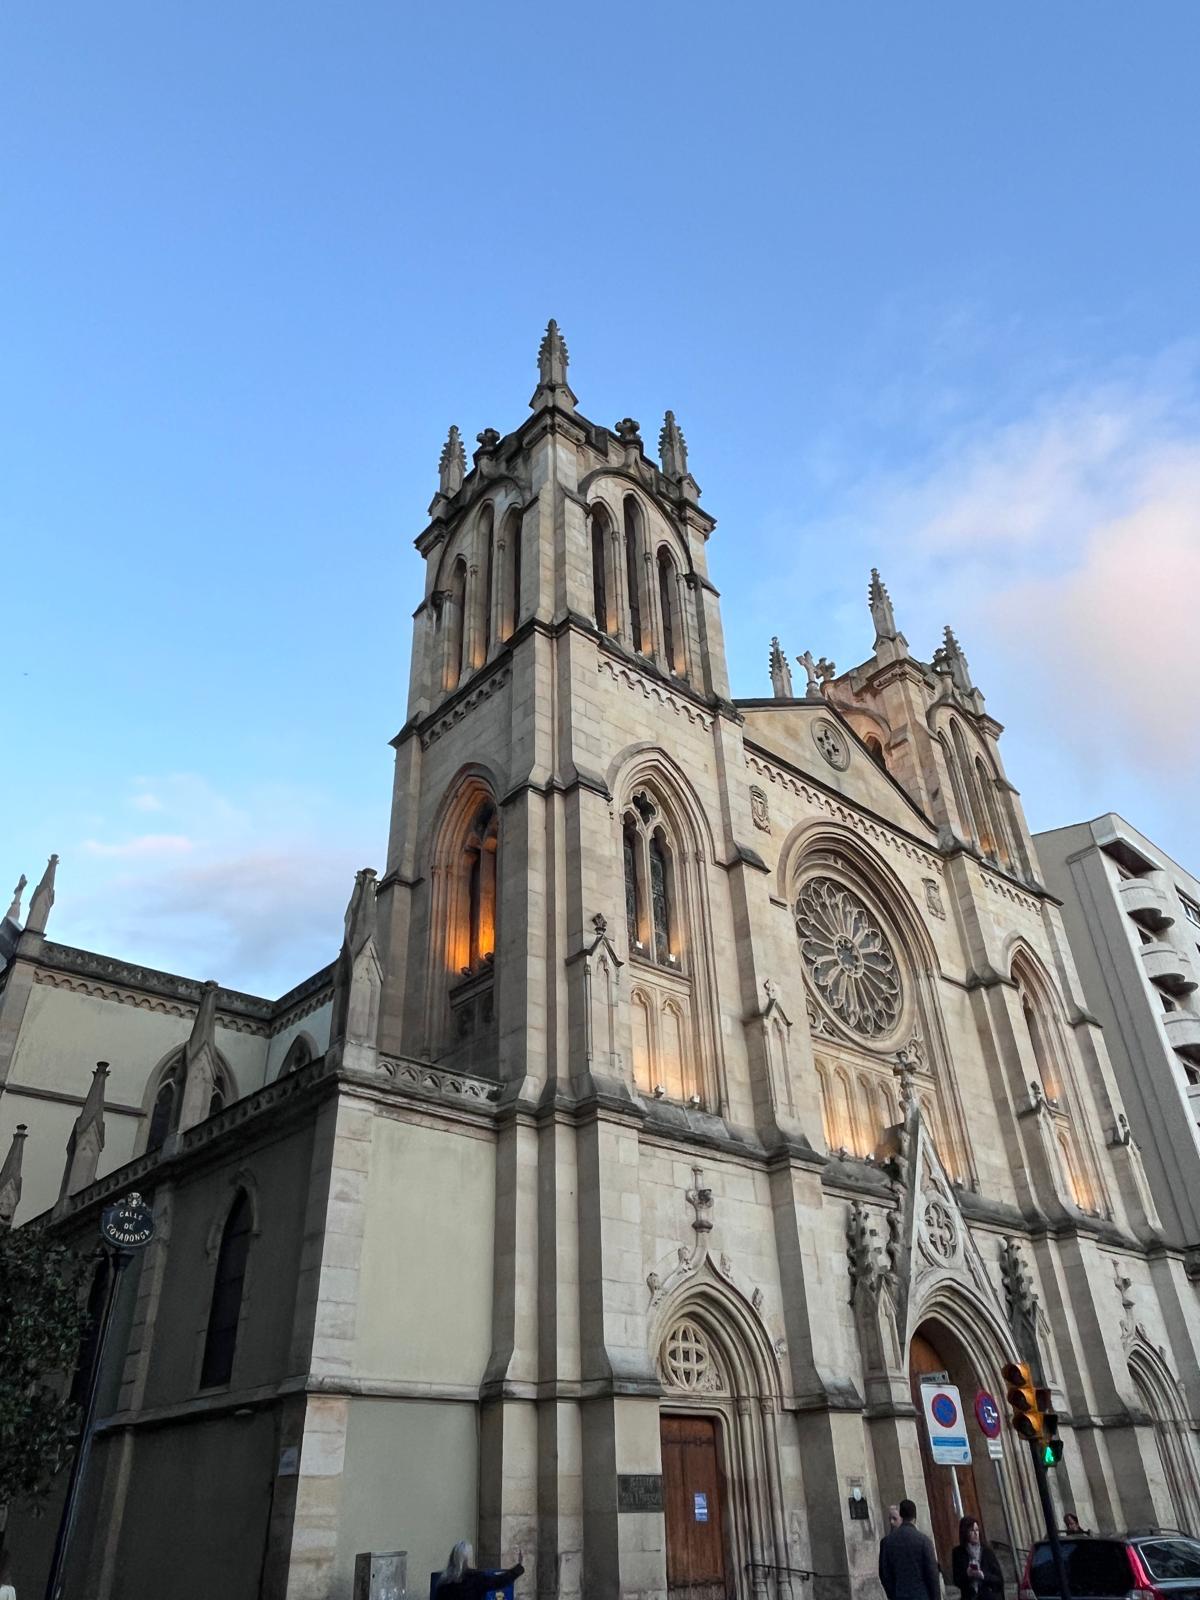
(696,1075)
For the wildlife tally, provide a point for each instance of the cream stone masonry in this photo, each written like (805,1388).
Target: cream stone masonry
(697,1075)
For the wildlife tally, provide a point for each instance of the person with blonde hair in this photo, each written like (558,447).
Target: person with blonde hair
(461,1580)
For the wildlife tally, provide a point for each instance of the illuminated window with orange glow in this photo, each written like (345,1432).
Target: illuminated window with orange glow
(477,943)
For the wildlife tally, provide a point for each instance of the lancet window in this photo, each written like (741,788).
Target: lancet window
(650,887)
(453,624)
(512,542)
(600,539)
(168,1101)
(674,653)
(225,1309)
(633,571)
(487,537)
(479,875)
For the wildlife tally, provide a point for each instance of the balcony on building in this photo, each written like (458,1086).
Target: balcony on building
(1168,968)
(1183,1033)
(1146,903)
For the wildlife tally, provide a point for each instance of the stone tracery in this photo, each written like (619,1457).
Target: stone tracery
(848,958)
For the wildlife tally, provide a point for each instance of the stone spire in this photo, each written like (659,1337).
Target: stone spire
(200,1066)
(43,899)
(672,448)
(881,608)
(781,673)
(553,388)
(10,1177)
(452,464)
(672,452)
(87,1138)
(949,659)
(13,913)
(357,980)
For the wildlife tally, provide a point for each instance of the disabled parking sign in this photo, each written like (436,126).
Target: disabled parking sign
(945,1424)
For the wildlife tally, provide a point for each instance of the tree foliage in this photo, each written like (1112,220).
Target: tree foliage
(43,1321)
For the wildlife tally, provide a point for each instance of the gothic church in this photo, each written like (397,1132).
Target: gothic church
(696,1075)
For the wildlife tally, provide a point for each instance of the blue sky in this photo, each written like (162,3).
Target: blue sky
(919,281)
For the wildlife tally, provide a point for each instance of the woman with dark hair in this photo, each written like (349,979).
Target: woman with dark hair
(975,1570)
(460,1580)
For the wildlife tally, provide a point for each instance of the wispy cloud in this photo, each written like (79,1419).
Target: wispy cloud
(146,846)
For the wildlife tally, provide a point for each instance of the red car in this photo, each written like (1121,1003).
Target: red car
(1161,1565)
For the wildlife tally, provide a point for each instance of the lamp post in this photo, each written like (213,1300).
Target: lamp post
(125,1227)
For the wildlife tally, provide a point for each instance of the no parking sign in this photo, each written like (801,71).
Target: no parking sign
(945,1424)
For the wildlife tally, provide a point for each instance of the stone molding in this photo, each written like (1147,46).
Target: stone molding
(619,673)
(463,708)
(121,995)
(847,815)
(1008,891)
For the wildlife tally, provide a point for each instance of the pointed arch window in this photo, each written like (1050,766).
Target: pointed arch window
(672,621)
(453,611)
(875,750)
(299,1054)
(229,1282)
(651,911)
(168,1102)
(660,897)
(513,541)
(633,571)
(600,537)
(488,536)
(479,867)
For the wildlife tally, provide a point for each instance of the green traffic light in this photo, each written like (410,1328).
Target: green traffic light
(1052,1452)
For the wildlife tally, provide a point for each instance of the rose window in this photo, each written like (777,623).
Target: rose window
(688,1361)
(849,960)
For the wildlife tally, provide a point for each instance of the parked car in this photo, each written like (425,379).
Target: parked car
(1159,1565)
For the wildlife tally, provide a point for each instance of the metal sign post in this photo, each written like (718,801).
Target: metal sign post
(124,1228)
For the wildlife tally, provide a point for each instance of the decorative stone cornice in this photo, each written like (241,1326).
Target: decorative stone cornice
(845,814)
(650,690)
(123,995)
(463,707)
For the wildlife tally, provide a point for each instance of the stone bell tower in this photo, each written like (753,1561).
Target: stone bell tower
(540,592)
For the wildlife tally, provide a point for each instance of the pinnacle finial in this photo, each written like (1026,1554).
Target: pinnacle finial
(949,659)
(672,449)
(10,1176)
(781,673)
(452,464)
(553,388)
(881,608)
(14,911)
(43,899)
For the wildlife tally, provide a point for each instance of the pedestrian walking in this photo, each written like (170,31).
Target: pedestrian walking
(908,1568)
(462,1580)
(1072,1525)
(974,1568)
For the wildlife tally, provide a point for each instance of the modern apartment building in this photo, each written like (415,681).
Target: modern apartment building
(1133,919)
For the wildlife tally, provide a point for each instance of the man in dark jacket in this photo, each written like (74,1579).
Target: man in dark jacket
(908,1568)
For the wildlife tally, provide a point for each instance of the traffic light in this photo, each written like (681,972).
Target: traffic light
(1051,1444)
(1023,1397)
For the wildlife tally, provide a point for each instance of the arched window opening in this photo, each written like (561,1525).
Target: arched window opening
(168,1102)
(488,536)
(975,818)
(228,1284)
(660,899)
(987,791)
(1078,1189)
(635,890)
(479,858)
(633,569)
(165,1116)
(1159,1394)
(875,750)
(299,1054)
(514,541)
(668,600)
(1047,1070)
(599,569)
(956,785)
(454,608)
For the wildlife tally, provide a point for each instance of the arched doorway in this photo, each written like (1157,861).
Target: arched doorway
(1159,1395)
(722,1486)
(936,1348)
